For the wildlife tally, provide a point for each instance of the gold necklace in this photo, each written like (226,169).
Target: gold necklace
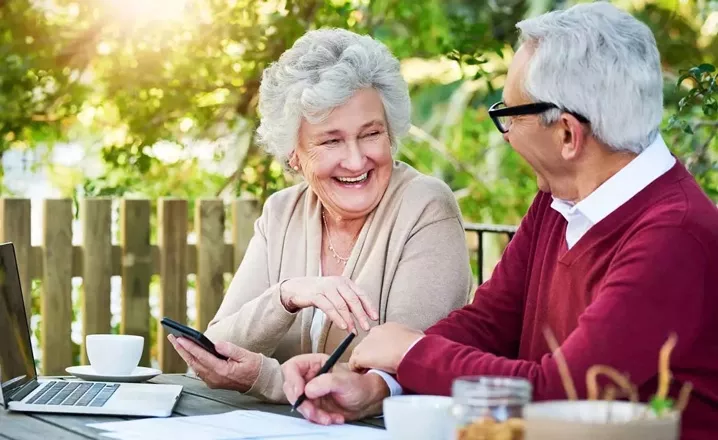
(337,257)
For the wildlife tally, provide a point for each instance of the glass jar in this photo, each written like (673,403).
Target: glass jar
(489,407)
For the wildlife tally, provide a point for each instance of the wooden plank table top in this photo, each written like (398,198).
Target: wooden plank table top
(197,399)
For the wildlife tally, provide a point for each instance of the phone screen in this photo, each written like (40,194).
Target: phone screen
(182,331)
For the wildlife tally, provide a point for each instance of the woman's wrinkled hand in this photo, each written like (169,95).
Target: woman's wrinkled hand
(238,372)
(338,297)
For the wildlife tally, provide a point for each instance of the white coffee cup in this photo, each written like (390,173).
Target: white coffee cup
(418,417)
(114,355)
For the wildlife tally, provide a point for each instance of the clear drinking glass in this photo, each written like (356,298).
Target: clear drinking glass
(489,407)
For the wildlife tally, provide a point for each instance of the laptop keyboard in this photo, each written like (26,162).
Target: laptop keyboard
(93,394)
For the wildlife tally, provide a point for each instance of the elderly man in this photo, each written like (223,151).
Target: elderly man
(618,250)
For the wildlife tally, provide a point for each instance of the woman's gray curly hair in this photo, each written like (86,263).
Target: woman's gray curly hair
(321,71)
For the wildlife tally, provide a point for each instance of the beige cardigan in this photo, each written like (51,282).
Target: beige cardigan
(410,257)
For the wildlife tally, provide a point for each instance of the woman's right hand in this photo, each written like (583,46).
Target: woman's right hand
(338,297)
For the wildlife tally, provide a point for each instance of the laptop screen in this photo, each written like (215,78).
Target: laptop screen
(17,364)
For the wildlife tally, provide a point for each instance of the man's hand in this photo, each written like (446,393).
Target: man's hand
(238,372)
(334,397)
(384,347)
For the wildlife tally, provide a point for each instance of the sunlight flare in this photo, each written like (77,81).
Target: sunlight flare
(144,11)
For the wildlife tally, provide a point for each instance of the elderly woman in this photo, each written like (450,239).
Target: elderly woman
(363,240)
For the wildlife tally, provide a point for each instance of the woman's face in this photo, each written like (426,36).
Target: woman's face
(346,159)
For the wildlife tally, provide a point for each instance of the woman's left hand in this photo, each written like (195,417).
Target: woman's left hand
(238,372)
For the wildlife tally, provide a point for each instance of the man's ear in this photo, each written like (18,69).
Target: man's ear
(573,136)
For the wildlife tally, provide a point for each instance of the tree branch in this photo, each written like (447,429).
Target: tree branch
(701,152)
(436,145)
(232,177)
(703,149)
(235,176)
(311,12)
(458,102)
(78,46)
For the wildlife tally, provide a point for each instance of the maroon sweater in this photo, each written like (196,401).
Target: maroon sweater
(648,269)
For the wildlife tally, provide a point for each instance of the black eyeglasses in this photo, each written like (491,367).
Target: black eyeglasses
(501,114)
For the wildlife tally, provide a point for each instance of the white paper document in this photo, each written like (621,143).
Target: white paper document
(235,425)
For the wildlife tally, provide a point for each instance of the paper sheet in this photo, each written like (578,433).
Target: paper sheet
(118,436)
(235,425)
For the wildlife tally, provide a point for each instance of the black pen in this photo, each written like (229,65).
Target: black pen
(338,352)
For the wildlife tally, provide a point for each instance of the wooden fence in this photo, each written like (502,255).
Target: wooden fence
(135,259)
(56,261)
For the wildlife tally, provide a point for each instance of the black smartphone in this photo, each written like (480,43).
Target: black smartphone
(181,330)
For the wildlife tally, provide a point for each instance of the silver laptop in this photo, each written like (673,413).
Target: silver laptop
(22,390)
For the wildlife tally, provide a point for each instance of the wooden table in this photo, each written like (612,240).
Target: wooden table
(196,399)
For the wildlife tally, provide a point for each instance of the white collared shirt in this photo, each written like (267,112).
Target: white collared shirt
(648,166)
(645,168)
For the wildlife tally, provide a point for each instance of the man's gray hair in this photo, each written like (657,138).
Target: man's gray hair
(321,71)
(600,62)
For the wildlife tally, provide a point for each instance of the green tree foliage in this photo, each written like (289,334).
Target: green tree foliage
(130,79)
(695,125)
(39,93)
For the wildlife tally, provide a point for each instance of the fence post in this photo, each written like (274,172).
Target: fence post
(172,234)
(57,286)
(244,214)
(209,223)
(15,226)
(136,265)
(96,215)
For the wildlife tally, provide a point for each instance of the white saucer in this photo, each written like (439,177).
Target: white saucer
(140,374)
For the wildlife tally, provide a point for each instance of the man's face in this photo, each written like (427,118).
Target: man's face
(540,146)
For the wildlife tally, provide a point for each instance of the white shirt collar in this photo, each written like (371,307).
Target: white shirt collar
(648,166)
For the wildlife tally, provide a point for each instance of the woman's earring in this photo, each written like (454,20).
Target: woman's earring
(295,168)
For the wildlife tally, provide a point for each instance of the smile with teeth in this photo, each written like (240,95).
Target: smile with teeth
(353,180)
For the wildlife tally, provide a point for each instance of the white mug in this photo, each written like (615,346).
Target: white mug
(114,355)
(418,417)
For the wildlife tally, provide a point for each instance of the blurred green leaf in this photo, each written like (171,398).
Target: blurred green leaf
(703,68)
